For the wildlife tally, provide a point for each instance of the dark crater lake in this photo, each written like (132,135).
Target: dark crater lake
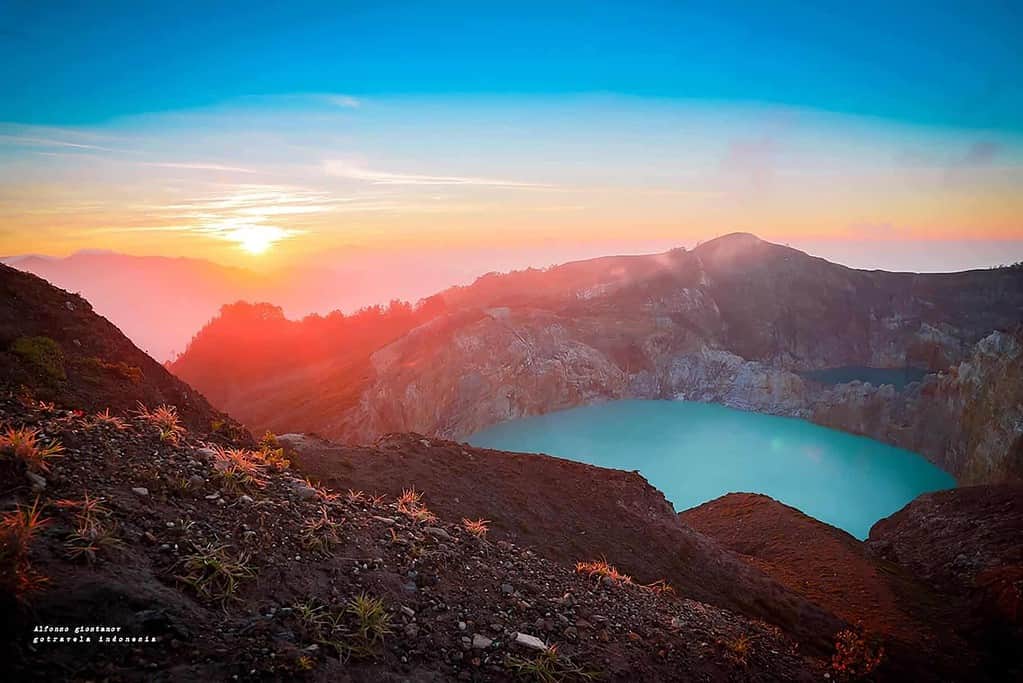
(695,452)
(899,377)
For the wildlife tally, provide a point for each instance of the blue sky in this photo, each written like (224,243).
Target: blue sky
(257,133)
(934,63)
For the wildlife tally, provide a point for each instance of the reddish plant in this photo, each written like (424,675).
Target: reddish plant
(24,444)
(17,529)
(601,569)
(476,527)
(165,419)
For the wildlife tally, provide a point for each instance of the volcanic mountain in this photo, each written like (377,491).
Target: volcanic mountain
(737,321)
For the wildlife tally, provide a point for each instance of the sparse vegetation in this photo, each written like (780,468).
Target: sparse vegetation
(239,469)
(355,631)
(739,648)
(476,527)
(857,654)
(548,667)
(214,573)
(43,355)
(372,624)
(93,531)
(95,368)
(24,444)
(660,587)
(105,419)
(601,569)
(17,529)
(272,453)
(165,419)
(322,492)
(410,504)
(321,533)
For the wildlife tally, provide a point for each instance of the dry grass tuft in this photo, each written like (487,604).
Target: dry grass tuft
(355,631)
(17,529)
(321,533)
(661,587)
(601,569)
(548,667)
(165,419)
(239,469)
(214,574)
(476,527)
(24,444)
(410,504)
(93,531)
(105,419)
(740,648)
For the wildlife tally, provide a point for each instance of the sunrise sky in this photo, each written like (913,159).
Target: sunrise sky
(257,136)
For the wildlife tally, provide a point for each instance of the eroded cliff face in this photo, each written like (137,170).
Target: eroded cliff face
(968,420)
(735,321)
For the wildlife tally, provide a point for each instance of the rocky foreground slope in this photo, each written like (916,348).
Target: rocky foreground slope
(265,577)
(735,321)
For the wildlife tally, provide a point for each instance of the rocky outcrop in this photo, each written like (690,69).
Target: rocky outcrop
(968,420)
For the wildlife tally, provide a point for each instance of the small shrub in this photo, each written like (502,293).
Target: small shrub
(214,574)
(23,444)
(548,667)
(857,655)
(17,529)
(96,368)
(43,355)
(165,419)
(601,569)
(476,527)
(272,453)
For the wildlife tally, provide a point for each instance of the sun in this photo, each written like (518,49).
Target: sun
(257,239)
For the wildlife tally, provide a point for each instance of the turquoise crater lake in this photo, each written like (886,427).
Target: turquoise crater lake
(695,452)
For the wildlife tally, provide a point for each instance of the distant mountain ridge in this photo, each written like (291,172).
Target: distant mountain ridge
(732,321)
(159,302)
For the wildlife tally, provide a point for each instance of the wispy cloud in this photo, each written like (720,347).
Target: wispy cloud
(198,166)
(26,141)
(346,101)
(346,169)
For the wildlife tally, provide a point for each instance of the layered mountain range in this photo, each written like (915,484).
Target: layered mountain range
(737,321)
